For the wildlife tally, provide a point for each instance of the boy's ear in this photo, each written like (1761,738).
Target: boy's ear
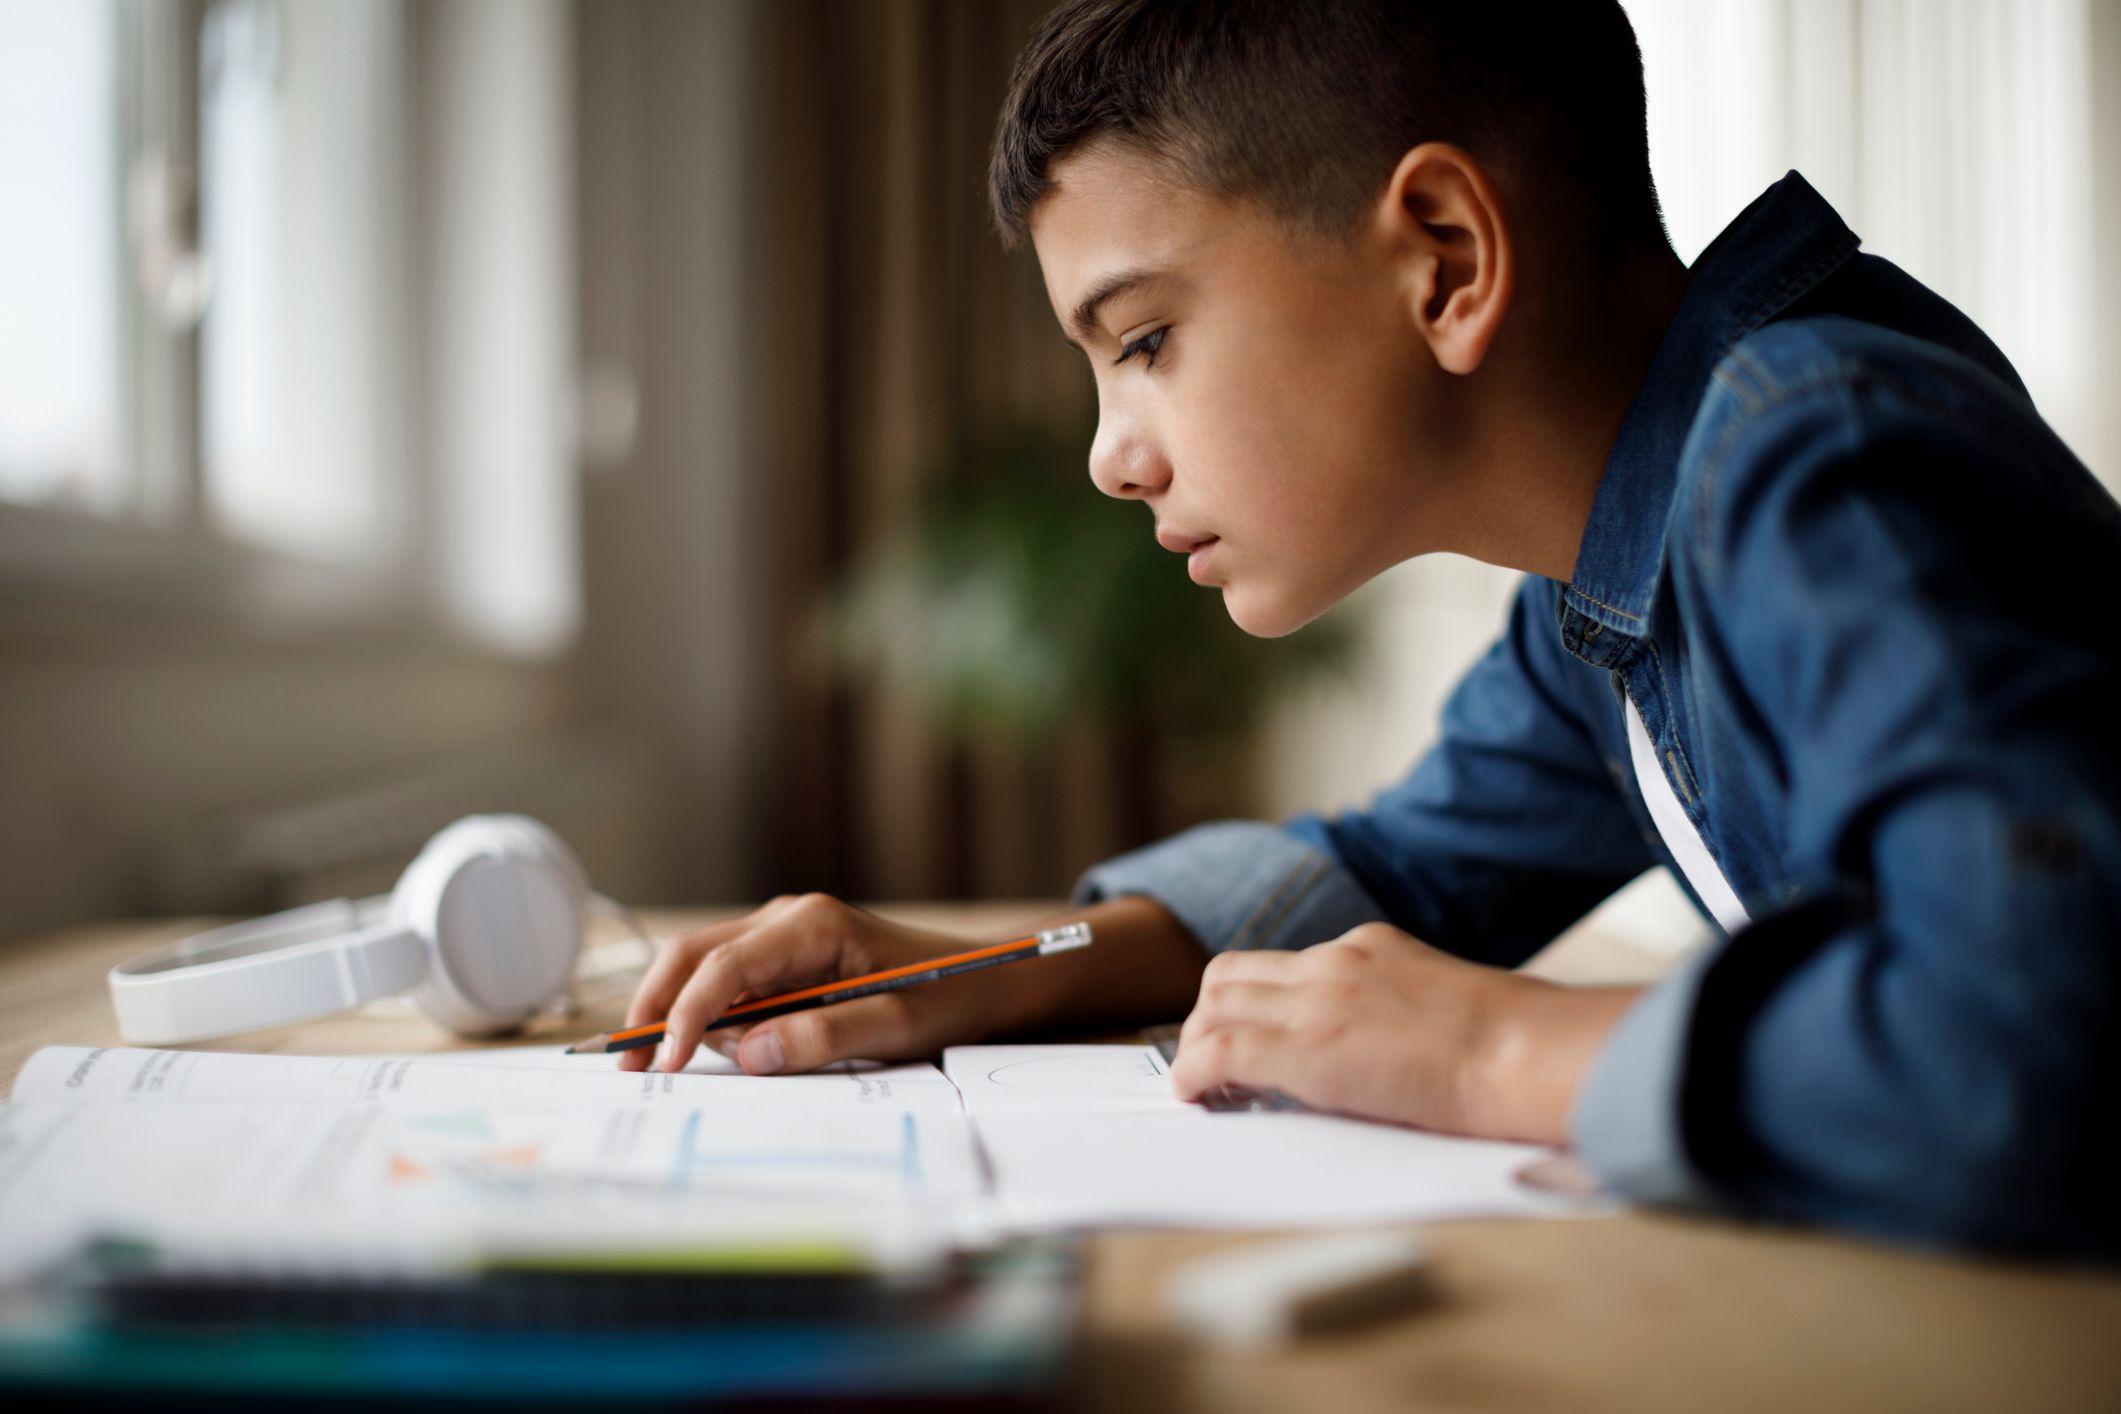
(1444,222)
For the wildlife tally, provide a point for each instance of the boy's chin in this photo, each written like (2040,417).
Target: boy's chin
(1268,611)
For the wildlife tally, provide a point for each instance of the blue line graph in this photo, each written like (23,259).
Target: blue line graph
(693,1160)
(910,1154)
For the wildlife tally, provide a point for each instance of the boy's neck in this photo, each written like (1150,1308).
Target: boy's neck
(1558,402)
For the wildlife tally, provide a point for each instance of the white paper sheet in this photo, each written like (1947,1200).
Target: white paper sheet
(1191,1168)
(296,1178)
(422,1154)
(523,1082)
(1017,1079)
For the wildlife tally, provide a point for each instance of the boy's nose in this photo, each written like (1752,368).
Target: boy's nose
(1126,467)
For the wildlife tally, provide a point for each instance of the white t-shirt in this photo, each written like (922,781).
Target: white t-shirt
(1678,832)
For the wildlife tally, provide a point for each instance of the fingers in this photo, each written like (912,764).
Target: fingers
(785,945)
(676,960)
(1229,1055)
(1227,1003)
(1238,1027)
(804,941)
(1252,965)
(727,1038)
(1232,972)
(875,1028)
(659,984)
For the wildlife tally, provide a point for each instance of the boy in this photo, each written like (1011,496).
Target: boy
(1810,617)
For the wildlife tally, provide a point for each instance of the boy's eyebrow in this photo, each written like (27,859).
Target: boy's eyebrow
(1083,323)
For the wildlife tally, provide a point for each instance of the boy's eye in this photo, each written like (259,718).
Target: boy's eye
(1146,345)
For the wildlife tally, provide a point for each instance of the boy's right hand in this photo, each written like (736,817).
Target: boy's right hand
(796,942)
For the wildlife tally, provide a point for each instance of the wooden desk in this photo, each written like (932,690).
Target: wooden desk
(1635,1313)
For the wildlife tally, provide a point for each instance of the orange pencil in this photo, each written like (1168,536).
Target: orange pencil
(1052,940)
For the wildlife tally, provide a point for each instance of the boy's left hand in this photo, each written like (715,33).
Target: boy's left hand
(1376,1023)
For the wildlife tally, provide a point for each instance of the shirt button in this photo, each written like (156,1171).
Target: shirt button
(1592,629)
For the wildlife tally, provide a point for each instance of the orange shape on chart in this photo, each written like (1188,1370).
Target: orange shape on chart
(404,1170)
(520,1156)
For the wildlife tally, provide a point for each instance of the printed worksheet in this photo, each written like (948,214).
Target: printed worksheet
(303,1177)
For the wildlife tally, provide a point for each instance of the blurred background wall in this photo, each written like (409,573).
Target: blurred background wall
(412,407)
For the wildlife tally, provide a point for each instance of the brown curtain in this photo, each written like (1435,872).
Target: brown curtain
(893,323)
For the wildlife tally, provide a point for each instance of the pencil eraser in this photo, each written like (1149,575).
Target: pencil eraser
(1272,1292)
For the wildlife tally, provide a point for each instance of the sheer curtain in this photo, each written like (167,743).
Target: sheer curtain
(1957,137)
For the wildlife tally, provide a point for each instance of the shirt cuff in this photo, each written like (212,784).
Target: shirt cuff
(1239,884)
(1628,1119)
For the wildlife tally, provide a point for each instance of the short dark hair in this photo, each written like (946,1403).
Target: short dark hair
(1308,105)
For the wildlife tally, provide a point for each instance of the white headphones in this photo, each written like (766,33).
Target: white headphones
(484,927)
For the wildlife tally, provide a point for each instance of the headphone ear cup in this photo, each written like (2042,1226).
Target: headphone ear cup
(534,838)
(501,904)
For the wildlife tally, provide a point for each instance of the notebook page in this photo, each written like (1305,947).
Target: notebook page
(81,1073)
(419,1181)
(1193,1168)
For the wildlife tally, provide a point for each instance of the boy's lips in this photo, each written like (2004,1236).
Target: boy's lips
(1196,549)
(1181,542)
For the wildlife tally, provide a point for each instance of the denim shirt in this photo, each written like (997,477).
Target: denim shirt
(1851,582)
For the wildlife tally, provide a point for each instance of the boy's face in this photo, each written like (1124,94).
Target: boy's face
(1264,392)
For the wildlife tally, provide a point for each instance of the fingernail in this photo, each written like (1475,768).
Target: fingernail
(664,1050)
(764,1055)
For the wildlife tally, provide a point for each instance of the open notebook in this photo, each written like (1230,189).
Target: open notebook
(408,1155)
(397,1157)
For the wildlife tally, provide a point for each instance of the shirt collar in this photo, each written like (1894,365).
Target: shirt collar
(1777,250)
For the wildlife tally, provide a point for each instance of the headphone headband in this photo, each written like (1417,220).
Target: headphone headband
(293,966)
(485,926)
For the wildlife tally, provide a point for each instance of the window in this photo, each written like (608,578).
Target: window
(206,270)
(239,210)
(304,194)
(286,335)
(60,265)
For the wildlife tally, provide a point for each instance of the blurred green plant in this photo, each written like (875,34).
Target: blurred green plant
(1018,599)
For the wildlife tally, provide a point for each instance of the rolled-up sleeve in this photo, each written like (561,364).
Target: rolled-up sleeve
(1239,884)
(1626,1122)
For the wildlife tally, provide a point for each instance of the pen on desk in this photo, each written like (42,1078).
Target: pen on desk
(1052,940)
